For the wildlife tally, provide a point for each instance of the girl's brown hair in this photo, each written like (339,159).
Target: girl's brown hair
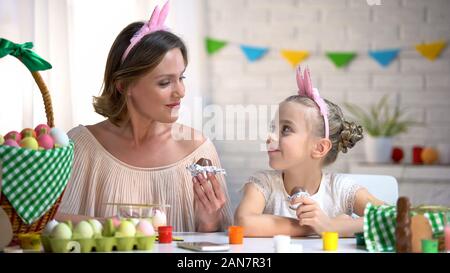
(343,134)
(143,58)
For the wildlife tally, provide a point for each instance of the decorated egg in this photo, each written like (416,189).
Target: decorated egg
(14,135)
(29,143)
(116,221)
(42,129)
(28,132)
(2,140)
(10,142)
(145,228)
(46,141)
(60,137)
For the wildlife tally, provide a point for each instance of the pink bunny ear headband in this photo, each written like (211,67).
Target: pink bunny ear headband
(306,89)
(155,23)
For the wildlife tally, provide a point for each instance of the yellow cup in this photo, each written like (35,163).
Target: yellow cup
(330,241)
(30,241)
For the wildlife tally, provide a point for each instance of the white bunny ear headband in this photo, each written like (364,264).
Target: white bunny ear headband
(306,89)
(155,23)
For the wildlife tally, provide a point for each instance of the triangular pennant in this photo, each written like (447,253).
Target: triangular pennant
(253,53)
(213,45)
(431,51)
(341,59)
(384,57)
(294,57)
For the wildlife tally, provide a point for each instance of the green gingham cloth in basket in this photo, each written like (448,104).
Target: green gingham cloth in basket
(380,223)
(34,180)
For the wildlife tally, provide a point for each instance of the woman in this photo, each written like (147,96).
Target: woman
(134,155)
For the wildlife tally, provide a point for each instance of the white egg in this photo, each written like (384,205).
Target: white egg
(96,226)
(60,137)
(159,219)
(49,227)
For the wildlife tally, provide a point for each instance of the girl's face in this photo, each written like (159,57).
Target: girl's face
(157,95)
(290,142)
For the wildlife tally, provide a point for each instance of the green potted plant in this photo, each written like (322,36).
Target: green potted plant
(382,123)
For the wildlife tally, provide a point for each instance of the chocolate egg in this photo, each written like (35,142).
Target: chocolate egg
(204,162)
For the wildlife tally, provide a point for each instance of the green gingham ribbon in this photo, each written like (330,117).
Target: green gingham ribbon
(380,223)
(34,180)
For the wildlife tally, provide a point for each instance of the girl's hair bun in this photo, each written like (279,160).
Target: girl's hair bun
(350,134)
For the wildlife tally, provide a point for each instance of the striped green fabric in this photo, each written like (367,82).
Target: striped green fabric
(380,223)
(34,180)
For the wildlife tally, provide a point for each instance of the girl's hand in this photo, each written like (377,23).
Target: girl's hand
(310,214)
(209,199)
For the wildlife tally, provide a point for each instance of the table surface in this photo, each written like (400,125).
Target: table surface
(255,245)
(250,245)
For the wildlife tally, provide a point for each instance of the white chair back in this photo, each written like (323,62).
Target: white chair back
(383,187)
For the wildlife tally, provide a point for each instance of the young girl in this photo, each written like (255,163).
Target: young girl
(310,134)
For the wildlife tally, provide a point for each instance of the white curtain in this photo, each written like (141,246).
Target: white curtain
(75,37)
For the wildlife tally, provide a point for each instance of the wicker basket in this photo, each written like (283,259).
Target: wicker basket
(18,225)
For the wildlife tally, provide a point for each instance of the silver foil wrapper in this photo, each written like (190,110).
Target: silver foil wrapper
(297,195)
(195,169)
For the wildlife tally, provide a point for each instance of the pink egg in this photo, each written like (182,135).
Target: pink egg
(10,142)
(42,129)
(116,221)
(14,135)
(145,228)
(46,141)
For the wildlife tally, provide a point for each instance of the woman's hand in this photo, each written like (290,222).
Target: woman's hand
(310,214)
(209,199)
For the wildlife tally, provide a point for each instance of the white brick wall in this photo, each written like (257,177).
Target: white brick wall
(320,25)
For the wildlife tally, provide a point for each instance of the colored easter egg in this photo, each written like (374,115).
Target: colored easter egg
(28,132)
(14,135)
(10,142)
(2,140)
(42,129)
(145,228)
(45,141)
(29,143)
(429,155)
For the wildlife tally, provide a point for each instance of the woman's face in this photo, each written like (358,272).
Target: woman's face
(290,142)
(157,95)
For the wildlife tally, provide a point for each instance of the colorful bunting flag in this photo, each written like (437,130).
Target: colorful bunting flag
(431,51)
(253,53)
(294,57)
(213,45)
(341,59)
(384,57)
